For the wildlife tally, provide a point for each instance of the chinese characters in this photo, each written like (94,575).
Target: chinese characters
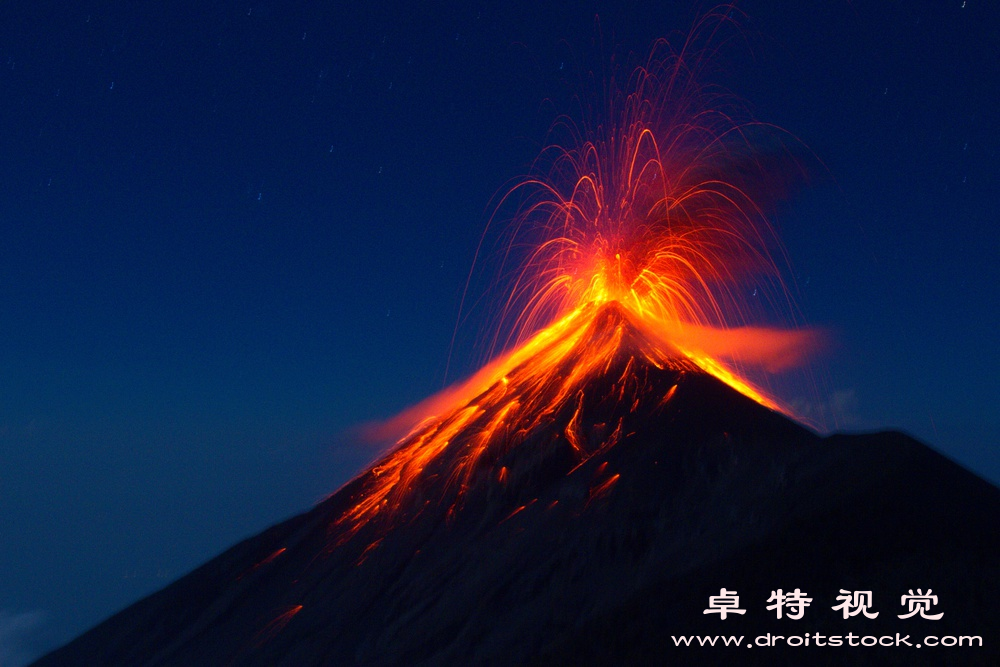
(852,603)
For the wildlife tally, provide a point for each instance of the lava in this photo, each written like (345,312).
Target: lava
(643,240)
(276,625)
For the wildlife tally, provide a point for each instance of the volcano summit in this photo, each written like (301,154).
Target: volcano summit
(585,515)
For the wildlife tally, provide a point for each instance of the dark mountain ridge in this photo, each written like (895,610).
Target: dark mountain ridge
(590,536)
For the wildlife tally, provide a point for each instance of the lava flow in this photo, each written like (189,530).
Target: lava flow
(644,242)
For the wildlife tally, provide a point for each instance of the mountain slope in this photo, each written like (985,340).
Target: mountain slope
(582,510)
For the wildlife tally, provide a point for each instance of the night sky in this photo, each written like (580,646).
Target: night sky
(230,231)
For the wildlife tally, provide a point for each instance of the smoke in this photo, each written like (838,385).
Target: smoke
(18,635)
(837,411)
(774,350)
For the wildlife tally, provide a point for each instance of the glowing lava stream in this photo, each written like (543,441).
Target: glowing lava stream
(520,393)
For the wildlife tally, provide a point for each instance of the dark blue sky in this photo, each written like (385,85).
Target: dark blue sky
(231,230)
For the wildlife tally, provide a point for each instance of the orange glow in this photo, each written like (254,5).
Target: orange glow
(266,561)
(640,252)
(271,557)
(604,487)
(276,625)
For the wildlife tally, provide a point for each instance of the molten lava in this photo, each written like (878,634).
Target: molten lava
(597,370)
(643,241)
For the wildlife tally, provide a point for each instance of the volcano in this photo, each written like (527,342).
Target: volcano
(585,515)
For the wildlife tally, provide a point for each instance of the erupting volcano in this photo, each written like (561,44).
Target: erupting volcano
(638,248)
(579,499)
(567,397)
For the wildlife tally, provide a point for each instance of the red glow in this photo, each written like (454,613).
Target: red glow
(266,561)
(276,625)
(604,487)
